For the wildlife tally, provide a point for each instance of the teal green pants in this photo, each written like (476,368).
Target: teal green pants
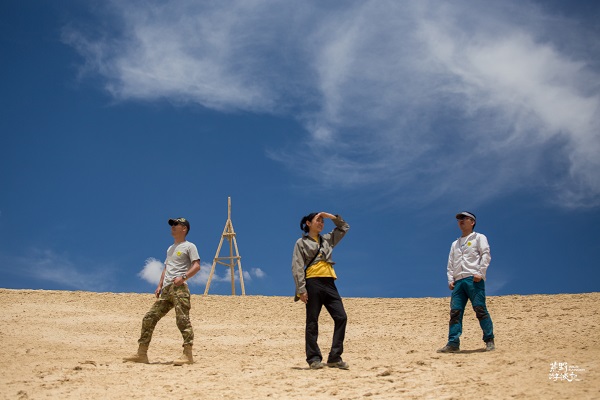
(464,290)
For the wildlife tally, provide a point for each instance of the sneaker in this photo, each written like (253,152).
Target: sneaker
(316,365)
(340,364)
(449,349)
(489,345)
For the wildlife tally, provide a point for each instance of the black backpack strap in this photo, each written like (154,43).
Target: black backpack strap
(296,297)
(316,254)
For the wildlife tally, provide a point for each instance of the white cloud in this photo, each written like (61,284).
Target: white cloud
(152,271)
(395,94)
(223,274)
(259,273)
(247,276)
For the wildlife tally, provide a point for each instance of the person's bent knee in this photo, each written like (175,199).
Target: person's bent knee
(183,322)
(312,325)
(340,318)
(150,317)
(481,312)
(454,316)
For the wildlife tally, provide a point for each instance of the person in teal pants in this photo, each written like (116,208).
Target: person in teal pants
(468,262)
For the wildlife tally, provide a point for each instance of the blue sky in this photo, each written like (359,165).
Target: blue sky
(119,115)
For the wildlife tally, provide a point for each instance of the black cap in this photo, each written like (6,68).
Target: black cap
(180,221)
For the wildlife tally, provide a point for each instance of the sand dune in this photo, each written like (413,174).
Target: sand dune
(58,344)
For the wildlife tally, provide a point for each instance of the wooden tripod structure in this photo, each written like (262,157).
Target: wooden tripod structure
(229,234)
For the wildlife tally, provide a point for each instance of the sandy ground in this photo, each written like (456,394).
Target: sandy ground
(66,345)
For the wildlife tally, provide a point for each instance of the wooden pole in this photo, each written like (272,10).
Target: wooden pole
(229,234)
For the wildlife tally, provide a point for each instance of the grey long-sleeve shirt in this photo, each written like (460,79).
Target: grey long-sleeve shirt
(306,248)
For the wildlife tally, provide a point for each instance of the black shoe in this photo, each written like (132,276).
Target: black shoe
(489,345)
(449,349)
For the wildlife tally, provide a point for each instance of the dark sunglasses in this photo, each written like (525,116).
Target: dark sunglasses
(463,217)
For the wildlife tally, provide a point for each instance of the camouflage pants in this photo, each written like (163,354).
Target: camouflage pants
(172,296)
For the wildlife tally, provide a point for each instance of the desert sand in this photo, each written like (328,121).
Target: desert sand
(69,345)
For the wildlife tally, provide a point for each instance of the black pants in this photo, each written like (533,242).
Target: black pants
(323,292)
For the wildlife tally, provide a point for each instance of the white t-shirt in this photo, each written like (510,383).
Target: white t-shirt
(180,257)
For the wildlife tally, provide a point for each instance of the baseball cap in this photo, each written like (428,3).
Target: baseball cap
(466,214)
(178,221)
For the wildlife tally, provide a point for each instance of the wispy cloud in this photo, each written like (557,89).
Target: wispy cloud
(60,269)
(395,94)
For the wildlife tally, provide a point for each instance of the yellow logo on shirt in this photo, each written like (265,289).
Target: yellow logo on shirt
(179,253)
(469,244)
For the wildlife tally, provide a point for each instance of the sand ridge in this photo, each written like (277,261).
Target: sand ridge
(61,344)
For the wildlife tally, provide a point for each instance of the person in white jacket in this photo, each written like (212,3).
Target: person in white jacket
(468,262)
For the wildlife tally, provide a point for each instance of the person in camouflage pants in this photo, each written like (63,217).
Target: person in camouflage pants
(182,262)
(177,297)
